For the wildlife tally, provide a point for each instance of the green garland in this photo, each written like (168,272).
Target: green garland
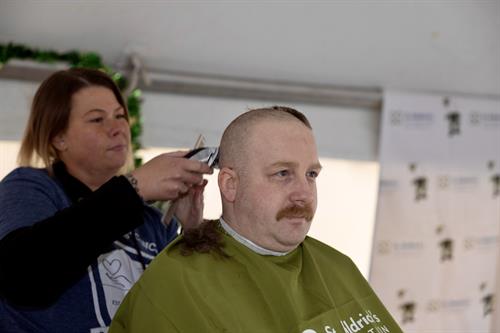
(87,60)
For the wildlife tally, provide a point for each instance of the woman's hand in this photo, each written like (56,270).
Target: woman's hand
(188,209)
(168,176)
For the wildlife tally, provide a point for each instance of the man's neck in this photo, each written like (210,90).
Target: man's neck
(248,243)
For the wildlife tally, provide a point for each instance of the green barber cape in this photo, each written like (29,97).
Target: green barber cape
(312,289)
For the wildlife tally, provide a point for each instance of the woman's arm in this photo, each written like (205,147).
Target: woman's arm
(39,262)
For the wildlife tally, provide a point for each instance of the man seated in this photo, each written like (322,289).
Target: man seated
(255,270)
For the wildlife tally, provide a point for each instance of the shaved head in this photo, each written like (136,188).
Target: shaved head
(233,147)
(267,179)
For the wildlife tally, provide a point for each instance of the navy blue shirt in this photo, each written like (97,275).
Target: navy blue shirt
(69,255)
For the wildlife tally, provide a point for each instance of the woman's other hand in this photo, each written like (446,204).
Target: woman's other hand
(188,209)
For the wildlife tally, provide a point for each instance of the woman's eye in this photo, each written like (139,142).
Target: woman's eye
(121,116)
(97,120)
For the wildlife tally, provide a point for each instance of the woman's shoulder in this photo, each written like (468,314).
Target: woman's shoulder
(28,195)
(29,179)
(26,173)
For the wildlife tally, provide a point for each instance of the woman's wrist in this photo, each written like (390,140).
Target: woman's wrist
(134,183)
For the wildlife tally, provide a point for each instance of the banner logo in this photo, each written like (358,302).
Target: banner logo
(445,244)
(495,179)
(404,247)
(485,120)
(453,118)
(384,247)
(448,305)
(487,300)
(453,123)
(407,308)
(420,184)
(486,242)
(458,183)
(415,120)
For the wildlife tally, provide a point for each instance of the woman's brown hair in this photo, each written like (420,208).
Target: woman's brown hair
(51,108)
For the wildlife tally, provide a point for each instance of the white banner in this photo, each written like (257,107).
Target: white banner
(438,215)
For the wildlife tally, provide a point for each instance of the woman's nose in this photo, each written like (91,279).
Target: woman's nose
(116,126)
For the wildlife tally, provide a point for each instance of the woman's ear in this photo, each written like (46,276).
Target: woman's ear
(228,184)
(59,143)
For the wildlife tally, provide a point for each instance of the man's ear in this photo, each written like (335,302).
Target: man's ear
(59,143)
(228,183)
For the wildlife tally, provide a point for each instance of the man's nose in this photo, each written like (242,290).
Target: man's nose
(303,192)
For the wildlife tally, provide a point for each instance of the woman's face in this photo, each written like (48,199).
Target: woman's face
(97,140)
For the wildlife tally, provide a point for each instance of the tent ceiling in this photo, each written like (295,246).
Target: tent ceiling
(432,45)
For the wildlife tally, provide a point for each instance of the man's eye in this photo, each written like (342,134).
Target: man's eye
(313,174)
(282,173)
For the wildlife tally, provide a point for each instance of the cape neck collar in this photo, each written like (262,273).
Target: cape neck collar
(248,243)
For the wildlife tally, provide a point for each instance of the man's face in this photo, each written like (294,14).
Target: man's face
(276,194)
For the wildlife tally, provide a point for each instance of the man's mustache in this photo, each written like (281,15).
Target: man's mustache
(296,211)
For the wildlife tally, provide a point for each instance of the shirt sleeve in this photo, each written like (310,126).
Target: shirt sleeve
(26,197)
(45,250)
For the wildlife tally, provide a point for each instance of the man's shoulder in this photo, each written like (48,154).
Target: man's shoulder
(320,248)
(171,263)
(172,268)
(325,254)
(339,268)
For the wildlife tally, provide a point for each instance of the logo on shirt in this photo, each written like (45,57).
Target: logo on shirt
(118,272)
(353,324)
(368,321)
(150,246)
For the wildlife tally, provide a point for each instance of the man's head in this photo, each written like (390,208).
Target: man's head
(268,168)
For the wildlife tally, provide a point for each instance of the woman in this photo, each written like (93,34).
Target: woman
(74,236)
